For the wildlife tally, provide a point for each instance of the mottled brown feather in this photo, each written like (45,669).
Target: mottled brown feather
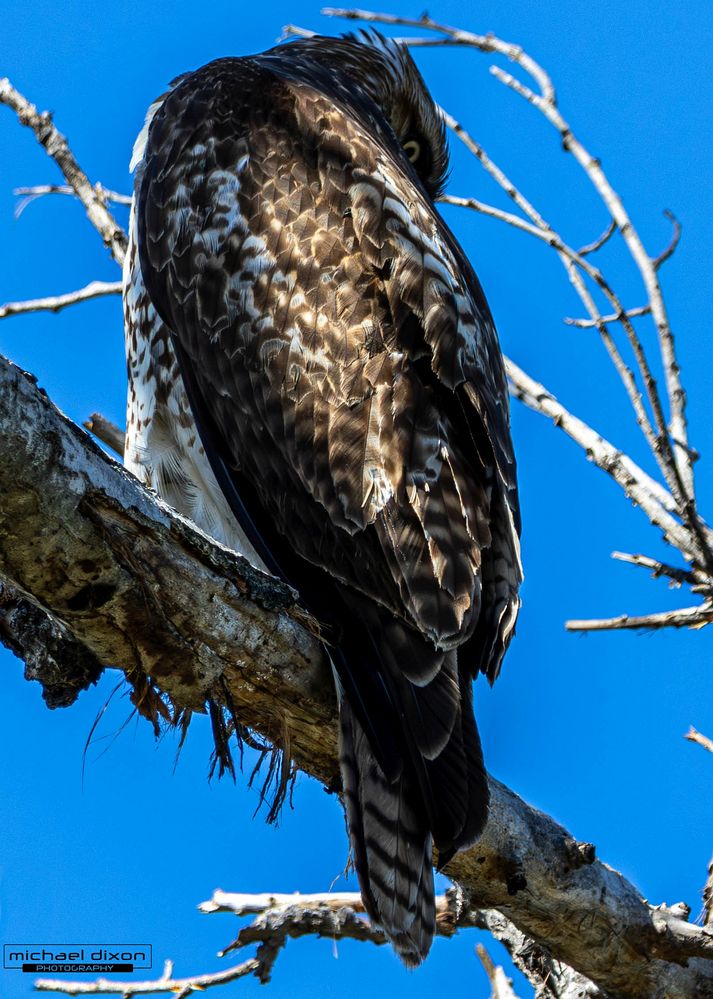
(346,379)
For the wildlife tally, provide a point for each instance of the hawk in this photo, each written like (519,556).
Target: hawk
(315,379)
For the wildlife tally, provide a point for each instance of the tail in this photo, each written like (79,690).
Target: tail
(391,845)
(429,786)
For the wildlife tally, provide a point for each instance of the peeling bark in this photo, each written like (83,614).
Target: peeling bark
(136,587)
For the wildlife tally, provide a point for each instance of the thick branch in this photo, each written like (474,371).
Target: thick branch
(140,588)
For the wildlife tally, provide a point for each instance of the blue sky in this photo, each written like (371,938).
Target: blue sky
(588,729)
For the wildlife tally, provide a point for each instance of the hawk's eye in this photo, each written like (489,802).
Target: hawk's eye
(412,148)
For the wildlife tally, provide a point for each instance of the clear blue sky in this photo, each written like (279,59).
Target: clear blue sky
(588,729)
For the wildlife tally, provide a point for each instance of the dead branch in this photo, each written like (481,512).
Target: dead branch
(55,303)
(676,575)
(656,502)
(339,916)
(500,984)
(675,240)
(181,987)
(600,241)
(693,735)
(56,146)
(657,438)
(189,621)
(30,194)
(688,617)
(615,317)
(107,432)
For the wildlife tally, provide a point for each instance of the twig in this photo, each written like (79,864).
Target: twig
(647,267)
(486,43)
(693,735)
(294,31)
(500,984)
(677,575)
(107,432)
(181,986)
(56,146)
(658,441)
(55,303)
(30,194)
(688,617)
(600,241)
(615,317)
(655,501)
(675,240)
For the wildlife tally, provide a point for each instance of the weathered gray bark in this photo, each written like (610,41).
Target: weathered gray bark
(141,590)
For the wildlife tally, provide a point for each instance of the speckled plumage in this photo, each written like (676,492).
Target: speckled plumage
(348,418)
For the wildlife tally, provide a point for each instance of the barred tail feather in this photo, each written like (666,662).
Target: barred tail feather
(391,844)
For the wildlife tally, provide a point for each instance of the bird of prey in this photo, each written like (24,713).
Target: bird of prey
(316,380)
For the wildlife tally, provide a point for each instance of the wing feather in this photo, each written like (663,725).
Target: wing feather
(344,369)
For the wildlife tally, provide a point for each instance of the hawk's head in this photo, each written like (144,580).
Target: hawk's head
(384,70)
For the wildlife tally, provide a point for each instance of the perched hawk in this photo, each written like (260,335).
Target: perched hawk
(315,379)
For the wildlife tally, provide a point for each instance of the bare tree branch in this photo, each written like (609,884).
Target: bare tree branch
(687,617)
(600,241)
(55,303)
(614,317)
(673,244)
(179,612)
(30,194)
(56,146)
(190,622)
(500,984)
(552,979)
(107,432)
(693,735)
(546,102)
(676,575)
(656,502)
(182,987)
(337,915)
(657,439)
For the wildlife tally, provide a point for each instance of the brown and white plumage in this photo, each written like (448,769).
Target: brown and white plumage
(347,386)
